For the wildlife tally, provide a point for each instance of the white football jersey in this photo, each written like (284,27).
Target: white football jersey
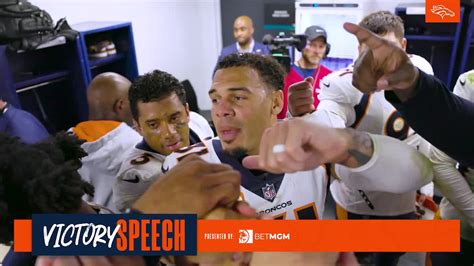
(465,86)
(103,161)
(371,113)
(142,165)
(299,195)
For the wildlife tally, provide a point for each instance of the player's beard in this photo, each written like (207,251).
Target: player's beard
(314,62)
(245,41)
(238,153)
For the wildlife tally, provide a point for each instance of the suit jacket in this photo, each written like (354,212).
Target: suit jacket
(258,48)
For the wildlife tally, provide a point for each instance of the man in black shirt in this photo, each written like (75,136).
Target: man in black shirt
(442,118)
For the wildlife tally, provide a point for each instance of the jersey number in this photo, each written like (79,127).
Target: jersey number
(305,212)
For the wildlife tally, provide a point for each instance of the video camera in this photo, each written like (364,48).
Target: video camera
(280,47)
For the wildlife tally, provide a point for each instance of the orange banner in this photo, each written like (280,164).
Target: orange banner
(309,235)
(329,235)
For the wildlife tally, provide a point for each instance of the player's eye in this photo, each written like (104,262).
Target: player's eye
(152,125)
(239,98)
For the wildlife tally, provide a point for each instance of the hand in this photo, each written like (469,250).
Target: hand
(90,261)
(2,103)
(382,66)
(192,186)
(300,98)
(304,258)
(423,204)
(307,146)
(241,211)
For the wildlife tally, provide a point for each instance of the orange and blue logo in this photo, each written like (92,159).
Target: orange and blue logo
(442,11)
(133,234)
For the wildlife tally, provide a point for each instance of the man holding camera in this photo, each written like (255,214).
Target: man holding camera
(308,66)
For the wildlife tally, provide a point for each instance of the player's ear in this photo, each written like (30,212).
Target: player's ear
(137,127)
(404,43)
(186,107)
(118,106)
(277,105)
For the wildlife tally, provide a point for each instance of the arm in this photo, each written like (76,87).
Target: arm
(127,188)
(137,173)
(307,145)
(377,172)
(207,187)
(452,184)
(326,118)
(442,118)
(345,112)
(337,96)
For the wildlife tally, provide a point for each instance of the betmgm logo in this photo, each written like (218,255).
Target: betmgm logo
(245,236)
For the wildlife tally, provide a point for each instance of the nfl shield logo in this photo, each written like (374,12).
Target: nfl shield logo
(269,192)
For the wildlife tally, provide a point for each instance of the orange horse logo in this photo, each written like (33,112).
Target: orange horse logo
(442,11)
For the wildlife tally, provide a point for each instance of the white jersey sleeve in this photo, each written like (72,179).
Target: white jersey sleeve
(465,86)
(338,96)
(138,171)
(337,86)
(452,184)
(381,174)
(99,168)
(422,146)
(325,118)
(200,126)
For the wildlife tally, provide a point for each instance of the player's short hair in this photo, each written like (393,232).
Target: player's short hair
(269,70)
(154,86)
(39,178)
(383,22)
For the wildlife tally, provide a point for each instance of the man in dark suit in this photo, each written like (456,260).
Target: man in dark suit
(243,34)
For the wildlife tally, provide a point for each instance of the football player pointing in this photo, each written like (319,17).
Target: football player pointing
(246,98)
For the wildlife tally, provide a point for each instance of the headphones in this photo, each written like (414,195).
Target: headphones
(328,48)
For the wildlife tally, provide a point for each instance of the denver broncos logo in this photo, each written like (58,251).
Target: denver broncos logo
(442,11)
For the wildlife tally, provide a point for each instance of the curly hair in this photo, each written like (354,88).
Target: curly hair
(40,178)
(269,70)
(383,22)
(154,86)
